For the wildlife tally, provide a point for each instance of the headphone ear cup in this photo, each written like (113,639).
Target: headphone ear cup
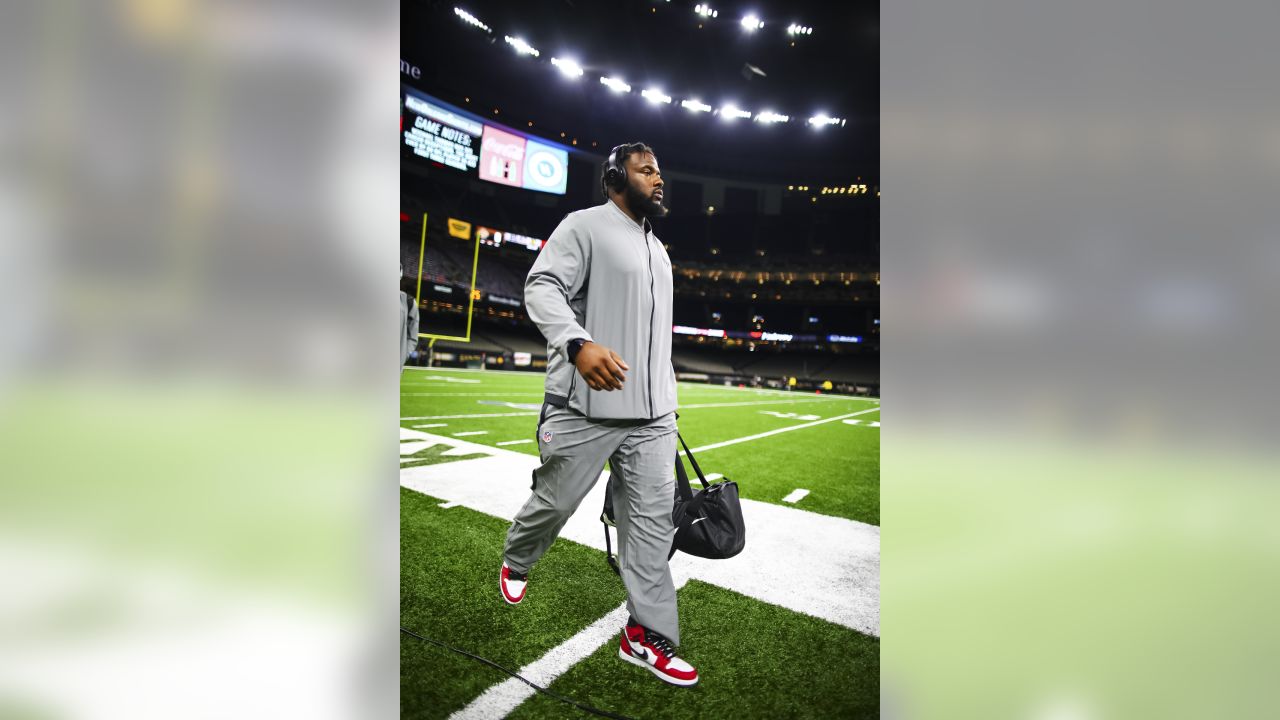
(613,178)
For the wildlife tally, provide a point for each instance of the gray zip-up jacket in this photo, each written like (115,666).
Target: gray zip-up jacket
(605,278)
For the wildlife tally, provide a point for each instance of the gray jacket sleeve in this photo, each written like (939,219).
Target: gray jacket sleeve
(558,275)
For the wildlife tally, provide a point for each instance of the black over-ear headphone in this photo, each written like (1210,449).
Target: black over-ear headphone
(615,176)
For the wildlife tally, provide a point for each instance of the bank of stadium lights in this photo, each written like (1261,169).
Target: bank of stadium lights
(522,47)
(732,112)
(705,10)
(751,23)
(655,96)
(615,84)
(769,116)
(695,106)
(472,19)
(821,120)
(794,29)
(570,68)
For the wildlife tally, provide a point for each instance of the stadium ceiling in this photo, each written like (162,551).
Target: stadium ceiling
(833,71)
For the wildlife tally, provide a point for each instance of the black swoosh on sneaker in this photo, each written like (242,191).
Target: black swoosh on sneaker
(641,653)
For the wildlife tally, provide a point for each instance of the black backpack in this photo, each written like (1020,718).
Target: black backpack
(708,523)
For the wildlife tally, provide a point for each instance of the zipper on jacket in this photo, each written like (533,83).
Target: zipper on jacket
(653,307)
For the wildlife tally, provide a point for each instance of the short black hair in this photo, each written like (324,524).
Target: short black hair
(624,151)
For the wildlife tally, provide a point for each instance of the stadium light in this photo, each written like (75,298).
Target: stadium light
(568,67)
(705,10)
(751,23)
(694,105)
(655,96)
(768,116)
(522,47)
(821,120)
(468,17)
(732,112)
(615,84)
(796,29)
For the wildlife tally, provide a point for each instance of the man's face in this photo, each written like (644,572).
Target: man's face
(644,186)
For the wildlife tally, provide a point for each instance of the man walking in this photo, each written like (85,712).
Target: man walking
(600,292)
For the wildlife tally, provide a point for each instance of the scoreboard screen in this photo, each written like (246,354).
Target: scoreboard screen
(436,131)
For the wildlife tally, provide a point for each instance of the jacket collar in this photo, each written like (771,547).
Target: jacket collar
(644,223)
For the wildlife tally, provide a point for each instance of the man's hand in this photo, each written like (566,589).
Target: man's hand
(601,367)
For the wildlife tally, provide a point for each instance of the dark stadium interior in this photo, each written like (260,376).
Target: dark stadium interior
(773,230)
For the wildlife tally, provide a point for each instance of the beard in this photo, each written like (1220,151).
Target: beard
(644,205)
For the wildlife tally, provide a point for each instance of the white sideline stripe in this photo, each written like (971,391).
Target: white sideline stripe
(499,700)
(757,436)
(459,417)
(471,432)
(475,394)
(795,495)
(516,442)
(820,565)
(430,425)
(750,402)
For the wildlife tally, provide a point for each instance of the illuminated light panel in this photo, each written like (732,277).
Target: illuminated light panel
(768,116)
(695,106)
(751,23)
(522,47)
(821,120)
(732,112)
(468,17)
(615,84)
(655,96)
(568,67)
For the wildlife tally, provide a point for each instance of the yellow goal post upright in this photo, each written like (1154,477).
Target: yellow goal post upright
(471,292)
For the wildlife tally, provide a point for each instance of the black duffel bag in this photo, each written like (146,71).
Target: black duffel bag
(708,523)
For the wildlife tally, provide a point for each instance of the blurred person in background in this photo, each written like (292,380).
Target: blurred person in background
(600,292)
(408,321)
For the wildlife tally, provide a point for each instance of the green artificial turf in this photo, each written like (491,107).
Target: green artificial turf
(756,660)
(753,660)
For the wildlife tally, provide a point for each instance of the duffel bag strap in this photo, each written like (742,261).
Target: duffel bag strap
(689,454)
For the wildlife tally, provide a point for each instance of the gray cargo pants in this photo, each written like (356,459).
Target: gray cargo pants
(641,455)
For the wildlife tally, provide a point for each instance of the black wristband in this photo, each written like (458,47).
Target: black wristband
(574,346)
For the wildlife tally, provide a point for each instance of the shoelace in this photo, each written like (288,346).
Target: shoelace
(513,575)
(659,643)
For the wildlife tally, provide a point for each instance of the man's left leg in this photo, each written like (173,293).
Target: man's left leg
(644,489)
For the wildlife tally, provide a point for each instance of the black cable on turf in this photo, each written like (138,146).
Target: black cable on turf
(539,688)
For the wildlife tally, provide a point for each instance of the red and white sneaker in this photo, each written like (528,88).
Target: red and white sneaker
(648,649)
(513,584)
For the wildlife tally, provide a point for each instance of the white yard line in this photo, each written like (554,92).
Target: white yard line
(499,700)
(474,415)
(474,394)
(430,425)
(516,442)
(819,565)
(795,495)
(757,436)
(471,432)
(749,402)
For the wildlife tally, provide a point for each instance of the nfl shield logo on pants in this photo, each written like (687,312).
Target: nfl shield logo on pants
(546,436)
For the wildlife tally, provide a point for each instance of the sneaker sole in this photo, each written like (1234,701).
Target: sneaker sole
(661,675)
